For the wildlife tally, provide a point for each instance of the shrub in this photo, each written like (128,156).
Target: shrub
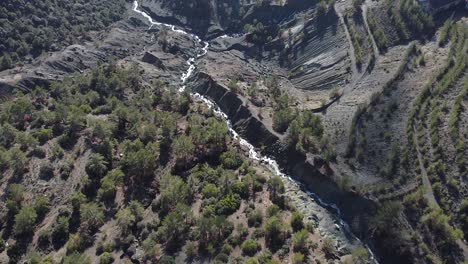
(310,227)
(76,258)
(273,210)
(250,247)
(328,248)
(360,255)
(46,171)
(252,261)
(298,258)
(106,258)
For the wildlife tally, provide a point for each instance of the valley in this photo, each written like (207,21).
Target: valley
(245,117)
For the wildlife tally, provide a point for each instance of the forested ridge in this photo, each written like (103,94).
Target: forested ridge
(29,28)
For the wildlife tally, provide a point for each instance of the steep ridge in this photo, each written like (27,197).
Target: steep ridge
(211,18)
(122,42)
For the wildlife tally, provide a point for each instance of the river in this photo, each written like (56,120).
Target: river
(253,153)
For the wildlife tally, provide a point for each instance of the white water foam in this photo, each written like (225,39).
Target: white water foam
(253,153)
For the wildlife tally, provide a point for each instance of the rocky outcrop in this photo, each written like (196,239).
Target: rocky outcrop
(123,42)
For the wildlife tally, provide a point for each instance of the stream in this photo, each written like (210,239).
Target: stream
(253,153)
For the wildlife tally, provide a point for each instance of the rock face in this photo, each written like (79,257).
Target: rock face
(152,59)
(210,18)
(320,59)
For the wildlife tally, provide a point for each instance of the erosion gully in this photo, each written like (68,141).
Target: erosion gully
(253,153)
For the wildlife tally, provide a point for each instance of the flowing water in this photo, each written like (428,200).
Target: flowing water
(253,153)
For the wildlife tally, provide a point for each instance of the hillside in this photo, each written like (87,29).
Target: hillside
(233,132)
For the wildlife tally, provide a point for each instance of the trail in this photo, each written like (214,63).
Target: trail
(429,192)
(365,7)
(253,153)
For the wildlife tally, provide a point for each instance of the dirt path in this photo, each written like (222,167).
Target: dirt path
(369,32)
(355,76)
(428,191)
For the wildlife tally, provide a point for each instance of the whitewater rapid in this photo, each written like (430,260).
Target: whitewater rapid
(253,153)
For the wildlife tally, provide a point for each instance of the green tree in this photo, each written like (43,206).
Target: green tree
(109,184)
(228,205)
(60,230)
(152,249)
(91,216)
(191,250)
(231,159)
(274,232)
(125,219)
(24,221)
(139,161)
(276,188)
(96,166)
(183,148)
(210,191)
(174,227)
(6,62)
(173,191)
(42,206)
(216,133)
(15,196)
(213,230)
(18,159)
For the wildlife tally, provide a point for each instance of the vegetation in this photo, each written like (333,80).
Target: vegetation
(409,18)
(378,33)
(168,188)
(260,34)
(43,25)
(357,41)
